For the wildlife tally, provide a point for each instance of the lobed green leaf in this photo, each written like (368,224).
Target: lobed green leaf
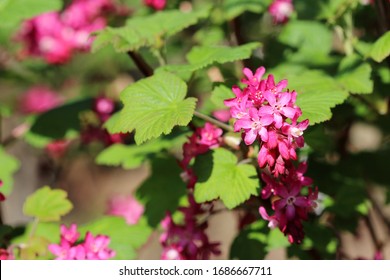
(219,176)
(153,106)
(47,205)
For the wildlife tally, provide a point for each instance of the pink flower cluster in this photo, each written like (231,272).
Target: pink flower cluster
(91,248)
(156,4)
(266,113)
(56,36)
(281,10)
(39,99)
(189,240)
(103,108)
(290,206)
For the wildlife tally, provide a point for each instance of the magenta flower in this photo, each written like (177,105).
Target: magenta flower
(127,207)
(210,135)
(39,99)
(156,4)
(253,79)
(255,125)
(295,131)
(278,107)
(70,234)
(6,254)
(96,248)
(289,201)
(281,10)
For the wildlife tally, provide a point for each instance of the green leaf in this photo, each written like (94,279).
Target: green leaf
(147,31)
(251,242)
(219,176)
(153,106)
(202,56)
(162,191)
(355,76)
(132,156)
(8,166)
(381,48)
(47,204)
(317,94)
(124,239)
(234,8)
(60,121)
(307,36)
(219,94)
(206,55)
(13,11)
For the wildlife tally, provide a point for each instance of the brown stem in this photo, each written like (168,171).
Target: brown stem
(213,121)
(146,70)
(371,230)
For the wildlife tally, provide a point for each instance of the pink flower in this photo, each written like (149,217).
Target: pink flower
(70,234)
(281,10)
(255,125)
(39,99)
(57,148)
(210,135)
(156,4)
(92,248)
(278,107)
(96,248)
(289,200)
(272,220)
(56,36)
(127,207)
(6,254)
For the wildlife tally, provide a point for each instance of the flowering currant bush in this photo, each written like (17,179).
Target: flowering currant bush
(193,130)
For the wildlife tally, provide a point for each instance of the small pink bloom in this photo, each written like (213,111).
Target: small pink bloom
(127,207)
(210,135)
(281,10)
(69,234)
(57,148)
(39,99)
(272,220)
(96,248)
(6,255)
(156,4)
(255,125)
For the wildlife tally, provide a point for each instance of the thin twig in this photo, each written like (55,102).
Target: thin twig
(213,121)
(141,63)
(371,230)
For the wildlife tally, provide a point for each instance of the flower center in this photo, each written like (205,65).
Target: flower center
(290,200)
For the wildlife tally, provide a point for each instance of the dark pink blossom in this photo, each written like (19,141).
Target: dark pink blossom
(39,99)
